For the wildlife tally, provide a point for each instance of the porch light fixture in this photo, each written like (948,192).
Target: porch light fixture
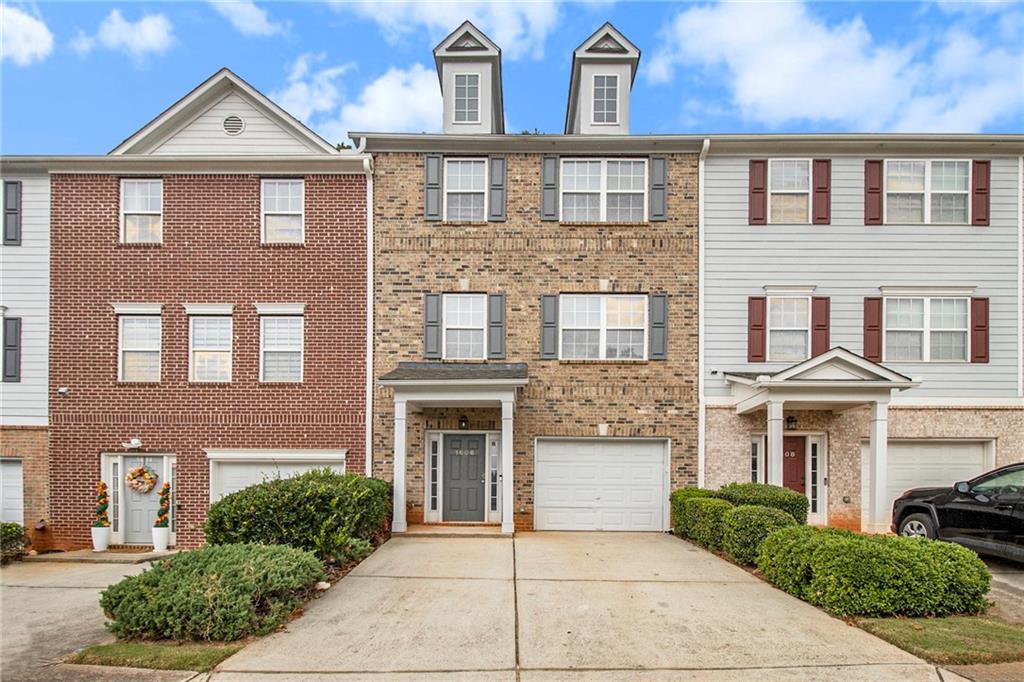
(463,423)
(790,422)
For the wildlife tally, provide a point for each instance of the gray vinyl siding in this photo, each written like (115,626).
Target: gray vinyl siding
(25,292)
(848,261)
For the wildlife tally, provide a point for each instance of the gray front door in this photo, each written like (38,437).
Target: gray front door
(140,508)
(464,474)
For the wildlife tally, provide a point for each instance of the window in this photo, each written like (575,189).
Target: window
(465,322)
(1005,483)
(465,190)
(283,207)
(789,196)
(930,192)
(210,348)
(606,99)
(140,348)
(467,98)
(281,348)
(788,328)
(755,458)
(142,204)
(595,327)
(604,190)
(935,329)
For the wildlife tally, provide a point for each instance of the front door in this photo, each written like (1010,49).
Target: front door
(794,472)
(464,475)
(140,508)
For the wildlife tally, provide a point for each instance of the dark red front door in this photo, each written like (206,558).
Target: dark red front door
(794,474)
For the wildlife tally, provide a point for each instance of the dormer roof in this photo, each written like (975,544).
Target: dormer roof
(470,44)
(606,44)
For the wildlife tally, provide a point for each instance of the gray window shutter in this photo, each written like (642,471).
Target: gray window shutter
(496,327)
(549,188)
(12,349)
(432,326)
(432,187)
(549,327)
(658,319)
(12,213)
(496,190)
(659,189)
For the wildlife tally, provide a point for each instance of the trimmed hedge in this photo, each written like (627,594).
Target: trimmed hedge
(14,542)
(334,515)
(220,593)
(784,557)
(777,497)
(678,513)
(705,520)
(746,527)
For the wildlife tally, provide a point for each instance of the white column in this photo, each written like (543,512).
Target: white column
(398,524)
(774,458)
(507,501)
(879,440)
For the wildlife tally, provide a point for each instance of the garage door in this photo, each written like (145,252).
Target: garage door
(600,484)
(12,492)
(923,464)
(231,476)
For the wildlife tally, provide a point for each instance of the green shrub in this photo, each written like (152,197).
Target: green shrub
(777,497)
(678,513)
(220,593)
(784,557)
(334,515)
(746,527)
(14,542)
(705,520)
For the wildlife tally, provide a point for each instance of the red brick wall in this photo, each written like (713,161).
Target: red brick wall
(211,254)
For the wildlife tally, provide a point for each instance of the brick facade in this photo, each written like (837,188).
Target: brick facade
(211,254)
(30,445)
(524,257)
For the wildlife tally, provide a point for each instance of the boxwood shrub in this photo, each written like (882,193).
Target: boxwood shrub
(705,520)
(784,557)
(678,513)
(777,497)
(746,527)
(14,542)
(217,593)
(334,515)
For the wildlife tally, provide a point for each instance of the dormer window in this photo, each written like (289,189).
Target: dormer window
(606,99)
(467,98)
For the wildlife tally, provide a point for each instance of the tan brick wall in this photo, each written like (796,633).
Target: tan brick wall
(30,445)
(524,258)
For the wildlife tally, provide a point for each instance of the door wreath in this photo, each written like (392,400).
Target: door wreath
(141,479)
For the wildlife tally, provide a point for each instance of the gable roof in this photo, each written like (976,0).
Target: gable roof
(834,365)
(202,98)
(468,43)
(606,44)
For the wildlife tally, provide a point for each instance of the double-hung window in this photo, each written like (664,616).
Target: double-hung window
(789,196)
(604,190)
(926,329)
(142,205)
(139,348)
(465,190)
(283,208)
(210,339)
(465,326)
(467,98)
(603,327)
(281,343)
(919,191)
(789,319)
(606,99)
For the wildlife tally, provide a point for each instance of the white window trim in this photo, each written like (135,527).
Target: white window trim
(769,328)
(160,213)
(455,99)
(121,350)
(603,328)
(926,332)
(446,190)
(192,350)
(444,325)
(302,349)
(808,191)
(927,191)
(603,191)
(263,212)
(593,93)
(219,309)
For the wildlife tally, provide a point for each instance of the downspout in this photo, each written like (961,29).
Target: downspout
(368,418)
(702,408)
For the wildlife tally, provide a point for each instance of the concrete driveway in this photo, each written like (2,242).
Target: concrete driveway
(557,606)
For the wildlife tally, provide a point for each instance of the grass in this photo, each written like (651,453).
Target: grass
(956,640)
(157,655)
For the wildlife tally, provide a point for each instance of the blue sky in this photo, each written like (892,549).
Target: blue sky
(78,77)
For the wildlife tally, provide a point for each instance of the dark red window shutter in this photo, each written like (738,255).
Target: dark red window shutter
(821,203)
(873,329)
(980,177)
(758,212)
(756,311)
(979,330)
(819,325)
(872,192)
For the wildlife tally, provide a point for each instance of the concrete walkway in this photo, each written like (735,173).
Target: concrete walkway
(564,606)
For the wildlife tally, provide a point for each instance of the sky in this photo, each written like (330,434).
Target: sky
(79,77)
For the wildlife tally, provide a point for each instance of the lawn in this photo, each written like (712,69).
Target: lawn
(157,655)
(956,640)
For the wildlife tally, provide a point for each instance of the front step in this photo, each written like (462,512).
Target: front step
(445,530)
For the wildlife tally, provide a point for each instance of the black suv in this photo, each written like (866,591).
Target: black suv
(985,513)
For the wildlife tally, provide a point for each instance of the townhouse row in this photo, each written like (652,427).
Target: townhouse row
(545,332)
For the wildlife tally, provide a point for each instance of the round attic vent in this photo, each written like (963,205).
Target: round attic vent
(233,125)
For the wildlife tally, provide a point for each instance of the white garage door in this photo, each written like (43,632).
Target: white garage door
(600,484)
(231,476)
(924,464)
(12,492)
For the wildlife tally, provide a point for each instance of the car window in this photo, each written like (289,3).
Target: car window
(1008,482)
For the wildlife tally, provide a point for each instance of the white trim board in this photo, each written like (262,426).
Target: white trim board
(267,454)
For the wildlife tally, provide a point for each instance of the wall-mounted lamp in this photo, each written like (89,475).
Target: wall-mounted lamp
(791,422)
(463,423)
(63,391)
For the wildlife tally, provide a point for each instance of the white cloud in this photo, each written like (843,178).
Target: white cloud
(24,39)
(153,33)
(401,100)
(309,93)
(519,28)
(249,19)
(780,65)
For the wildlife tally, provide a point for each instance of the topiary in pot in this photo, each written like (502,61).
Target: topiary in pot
(101,519)
(162,526)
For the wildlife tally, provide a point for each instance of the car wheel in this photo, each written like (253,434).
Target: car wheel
(918,526)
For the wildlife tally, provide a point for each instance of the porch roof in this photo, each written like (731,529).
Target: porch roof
(463,373)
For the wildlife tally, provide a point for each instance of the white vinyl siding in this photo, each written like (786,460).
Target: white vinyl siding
(604,190)
(281,348)
(606,99)
(467,98)
(210,340)
(142,205)
(921,191)
(283,208)
(465,326)
(789,328)
(602,327)
(465,190)
(927,329)
(139,353)
(789,191)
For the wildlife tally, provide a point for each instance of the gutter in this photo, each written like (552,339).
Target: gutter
(701,401)
(354,163)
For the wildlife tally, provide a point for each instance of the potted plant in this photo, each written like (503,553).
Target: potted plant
(100,521)
(162,527)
